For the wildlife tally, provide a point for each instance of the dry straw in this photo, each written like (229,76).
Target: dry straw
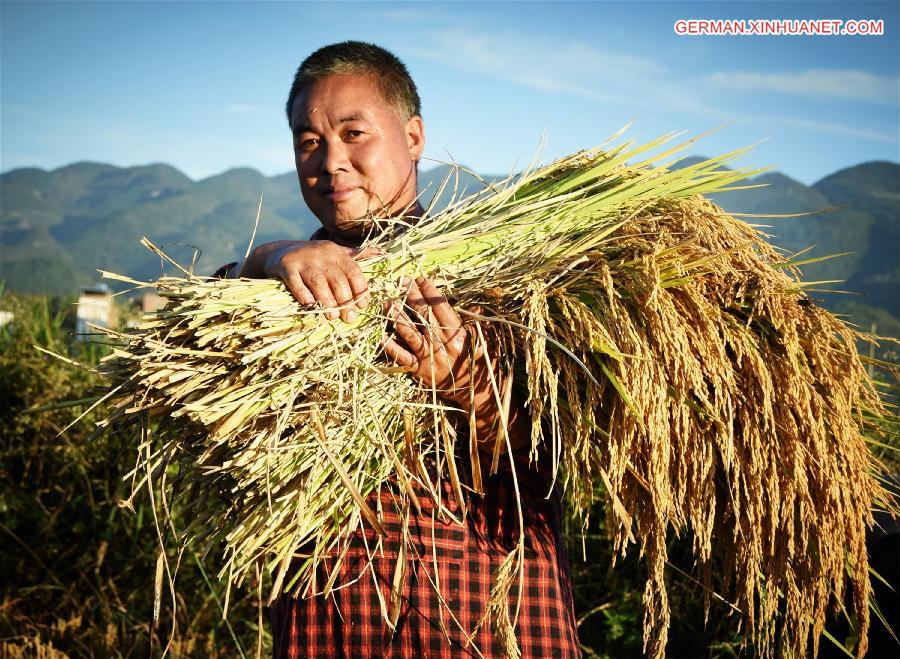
(672,362)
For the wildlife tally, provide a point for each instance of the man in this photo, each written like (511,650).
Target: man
(358,136)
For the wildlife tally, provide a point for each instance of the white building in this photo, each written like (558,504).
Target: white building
(95,307)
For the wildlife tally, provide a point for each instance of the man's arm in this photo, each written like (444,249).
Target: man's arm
(488,415)
(315,271)
(254,266)
(435,346)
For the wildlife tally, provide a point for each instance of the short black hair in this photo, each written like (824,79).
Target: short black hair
(391,75)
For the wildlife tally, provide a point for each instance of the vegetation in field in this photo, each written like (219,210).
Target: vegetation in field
(76,568)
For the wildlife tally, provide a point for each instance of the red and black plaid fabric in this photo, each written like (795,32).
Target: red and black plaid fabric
(457,561)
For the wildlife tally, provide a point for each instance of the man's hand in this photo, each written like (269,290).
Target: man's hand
(435,346)
(315,271)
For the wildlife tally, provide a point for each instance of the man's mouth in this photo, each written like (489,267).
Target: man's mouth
(339,193)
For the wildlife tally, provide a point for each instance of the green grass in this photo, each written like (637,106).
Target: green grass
(76,569)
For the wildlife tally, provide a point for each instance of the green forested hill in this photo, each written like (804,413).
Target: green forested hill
(827,232)
(875,188)
(58,227)
(854,210)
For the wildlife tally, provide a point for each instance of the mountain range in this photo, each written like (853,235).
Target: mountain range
(58,227)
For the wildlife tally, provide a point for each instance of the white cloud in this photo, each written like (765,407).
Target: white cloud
(563,66)
(849,84)
(541,63)
(856,132)
(642,82)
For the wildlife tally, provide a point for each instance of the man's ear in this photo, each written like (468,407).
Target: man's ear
(415,137)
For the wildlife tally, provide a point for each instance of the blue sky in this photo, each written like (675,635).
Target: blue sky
(201,85)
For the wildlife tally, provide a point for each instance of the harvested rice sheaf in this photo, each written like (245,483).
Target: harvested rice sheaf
(671,360)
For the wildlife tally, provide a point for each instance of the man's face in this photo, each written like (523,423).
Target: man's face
(355,156)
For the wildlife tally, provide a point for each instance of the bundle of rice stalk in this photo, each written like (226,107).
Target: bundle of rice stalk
(668,355)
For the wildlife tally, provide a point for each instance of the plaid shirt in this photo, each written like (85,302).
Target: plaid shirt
(349,622)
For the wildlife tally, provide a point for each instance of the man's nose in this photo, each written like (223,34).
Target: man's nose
(335,157)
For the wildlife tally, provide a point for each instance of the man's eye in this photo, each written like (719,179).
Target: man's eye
(308,144)
(352,134)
